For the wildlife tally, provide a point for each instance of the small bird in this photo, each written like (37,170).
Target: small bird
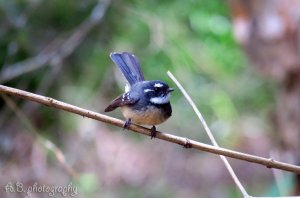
(144,102)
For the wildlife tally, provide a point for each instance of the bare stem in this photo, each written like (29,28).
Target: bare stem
(269,163)
(209,133)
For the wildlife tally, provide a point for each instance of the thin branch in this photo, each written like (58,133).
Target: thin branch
(269,163)
(210,135)
(61,52)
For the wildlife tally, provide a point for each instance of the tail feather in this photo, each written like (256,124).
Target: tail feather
(129,66)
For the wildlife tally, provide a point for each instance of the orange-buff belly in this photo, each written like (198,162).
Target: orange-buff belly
(151,116)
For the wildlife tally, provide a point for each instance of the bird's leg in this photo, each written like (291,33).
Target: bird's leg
(153,132)
(127,124)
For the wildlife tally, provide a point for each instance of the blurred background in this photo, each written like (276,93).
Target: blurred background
(239,61)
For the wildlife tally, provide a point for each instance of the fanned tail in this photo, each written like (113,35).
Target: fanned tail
(129,66)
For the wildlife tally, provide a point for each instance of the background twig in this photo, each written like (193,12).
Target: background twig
(44,142)
(210,135)
(270,163)
(58,53)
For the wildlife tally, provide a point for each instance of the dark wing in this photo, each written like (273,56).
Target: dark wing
(129,66)
(120,101)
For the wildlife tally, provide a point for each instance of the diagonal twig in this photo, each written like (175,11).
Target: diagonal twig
(210,135)
(40,139)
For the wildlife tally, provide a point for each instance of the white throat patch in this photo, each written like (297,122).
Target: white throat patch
(161,99)
(148,90)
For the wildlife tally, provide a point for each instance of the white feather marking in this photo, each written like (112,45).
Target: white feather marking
(148,90)
(158,85)
(127,88)
(161,99)
(124,97)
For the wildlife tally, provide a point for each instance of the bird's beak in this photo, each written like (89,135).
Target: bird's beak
(170,90)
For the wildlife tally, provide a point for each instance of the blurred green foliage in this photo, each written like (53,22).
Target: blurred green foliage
(193,39)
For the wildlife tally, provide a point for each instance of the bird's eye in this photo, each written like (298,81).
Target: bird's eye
(156,88)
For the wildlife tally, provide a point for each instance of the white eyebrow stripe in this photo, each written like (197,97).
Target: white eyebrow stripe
(158,85)
(148,90)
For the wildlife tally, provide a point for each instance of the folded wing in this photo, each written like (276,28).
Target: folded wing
(120,101)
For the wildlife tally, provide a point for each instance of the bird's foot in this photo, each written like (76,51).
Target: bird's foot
(187,144)
(153,132)
(127,124)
